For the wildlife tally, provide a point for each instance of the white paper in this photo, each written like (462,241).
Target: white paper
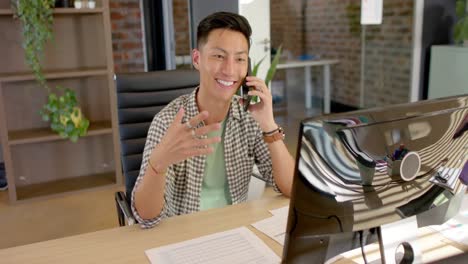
(238,245)
(283,211)
(371,12)
(456,229)
(275,226)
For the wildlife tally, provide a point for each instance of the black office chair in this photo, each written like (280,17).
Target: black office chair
(140,96)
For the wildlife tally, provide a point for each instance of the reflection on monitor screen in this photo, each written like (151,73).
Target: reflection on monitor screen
(358,173)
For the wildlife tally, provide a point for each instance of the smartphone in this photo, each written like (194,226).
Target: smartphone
(245,89)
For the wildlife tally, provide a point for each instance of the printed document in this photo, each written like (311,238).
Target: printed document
(282,211)
(275,226)
(239,245)
(456,229)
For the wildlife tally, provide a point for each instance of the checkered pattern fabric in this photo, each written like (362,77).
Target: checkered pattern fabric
(243,147)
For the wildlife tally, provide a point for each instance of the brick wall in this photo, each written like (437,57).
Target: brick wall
(181,27)
(127,35)
(286,25)
(388,55)
(333,31)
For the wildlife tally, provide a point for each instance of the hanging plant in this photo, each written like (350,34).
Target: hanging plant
(62,112)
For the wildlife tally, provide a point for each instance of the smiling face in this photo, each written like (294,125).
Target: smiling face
(222,63)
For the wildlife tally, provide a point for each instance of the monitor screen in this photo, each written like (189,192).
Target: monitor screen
(360,170)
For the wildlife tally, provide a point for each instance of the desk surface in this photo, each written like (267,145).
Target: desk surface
(128,244)
(434,247)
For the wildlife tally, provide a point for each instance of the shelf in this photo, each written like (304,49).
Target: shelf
(65,185)
(38,135)
(84,72)
(61,11)
(42,163)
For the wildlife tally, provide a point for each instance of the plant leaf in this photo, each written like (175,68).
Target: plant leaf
(272,70)
(257,66)
(464,33)
(457,32)
(74,138)
(83,127)
(70,127)
(45,118)
(460,8)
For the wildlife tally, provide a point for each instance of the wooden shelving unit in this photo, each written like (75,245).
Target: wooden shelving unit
(39,163)
(66,185)
(37,135)
(61,11)
(77,73)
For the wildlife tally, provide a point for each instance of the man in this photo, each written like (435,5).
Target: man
(201,148)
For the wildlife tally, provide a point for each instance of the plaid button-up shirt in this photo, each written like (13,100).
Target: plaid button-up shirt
(243,147)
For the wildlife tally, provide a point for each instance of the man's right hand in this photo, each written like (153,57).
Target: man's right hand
(183,141)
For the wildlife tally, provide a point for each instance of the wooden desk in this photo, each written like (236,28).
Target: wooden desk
(308,64)
(434,247)
(128,244)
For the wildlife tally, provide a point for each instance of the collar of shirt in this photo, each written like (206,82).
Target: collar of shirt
(235,109)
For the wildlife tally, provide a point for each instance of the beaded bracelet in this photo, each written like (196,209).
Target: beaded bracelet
(152,168)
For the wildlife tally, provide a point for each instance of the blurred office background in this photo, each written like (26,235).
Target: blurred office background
(378,65)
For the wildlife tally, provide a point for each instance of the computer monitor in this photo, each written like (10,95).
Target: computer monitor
(359,172)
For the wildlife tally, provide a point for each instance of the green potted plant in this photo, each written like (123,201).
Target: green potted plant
(460,31)
(271,71)
(62,111)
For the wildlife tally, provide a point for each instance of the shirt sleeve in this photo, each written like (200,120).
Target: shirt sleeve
(155,133)
(263,160)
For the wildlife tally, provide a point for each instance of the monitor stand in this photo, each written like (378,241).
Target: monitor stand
(398,242)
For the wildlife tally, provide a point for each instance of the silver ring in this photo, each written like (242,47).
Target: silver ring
(187,124)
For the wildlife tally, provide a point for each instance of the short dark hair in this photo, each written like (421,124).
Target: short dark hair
(224,20)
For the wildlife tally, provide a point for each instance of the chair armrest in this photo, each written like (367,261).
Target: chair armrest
(123,208)
(256,174)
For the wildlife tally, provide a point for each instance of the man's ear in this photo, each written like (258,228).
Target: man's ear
(196,58)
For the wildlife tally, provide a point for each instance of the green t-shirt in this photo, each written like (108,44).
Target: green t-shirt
(215,189)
